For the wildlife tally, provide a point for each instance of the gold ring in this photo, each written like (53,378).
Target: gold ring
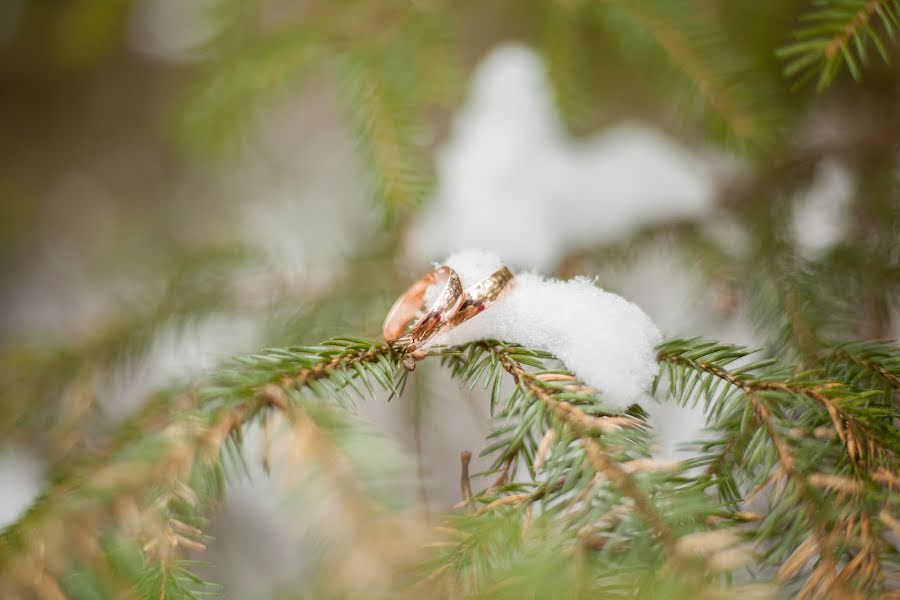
(410,303)
(480,295)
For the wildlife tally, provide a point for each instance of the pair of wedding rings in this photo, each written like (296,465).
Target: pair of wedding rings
(452,306)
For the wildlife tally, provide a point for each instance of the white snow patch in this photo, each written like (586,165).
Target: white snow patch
(605,340)
(821,213)
(180,351)
(173,30)
(511,181)
(20,482)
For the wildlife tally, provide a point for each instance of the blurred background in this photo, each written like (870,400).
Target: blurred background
(184,180)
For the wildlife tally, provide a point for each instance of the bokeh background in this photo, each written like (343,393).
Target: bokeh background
(185,180)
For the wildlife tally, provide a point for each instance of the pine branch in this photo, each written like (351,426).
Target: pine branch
(866,360)
(569,51)
(594,498)
(207,420)
(383,116)
(741,122)
(82,513)
(33,376)
(214,112)
(824,577)
(711,65)
(367,529)
(827,393)
(584,427)
(838,33)
(867,438)
(589,474)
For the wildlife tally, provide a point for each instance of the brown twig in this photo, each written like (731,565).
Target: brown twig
(837,43)
(302,377)
(503,478)
(465,483)
(541,455)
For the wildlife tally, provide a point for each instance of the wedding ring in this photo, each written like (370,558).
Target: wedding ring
(480,295)
(408,305)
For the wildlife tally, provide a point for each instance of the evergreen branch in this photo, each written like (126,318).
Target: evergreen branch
(220,408)
(584,426)
(741,122)
(214,111)
(366,533)
(749,385)
(839,32)
(351,353)
(185,442)
(718,85)
(32,377)
(581,448)
(867,441)
(855,26)
(797,327)
(873,359)
(383,119)
(825,575)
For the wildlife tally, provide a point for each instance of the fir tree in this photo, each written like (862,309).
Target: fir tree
(795,490)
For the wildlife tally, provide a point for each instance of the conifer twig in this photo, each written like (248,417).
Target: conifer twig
(464,482)
(788,466)
(582,425)
(187,440)
(825,579)
(749,387)
(839,41)
(692,64)
(837,32)
(844,352)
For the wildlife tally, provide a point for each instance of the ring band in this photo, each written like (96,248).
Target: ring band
(408,305)
(480,295)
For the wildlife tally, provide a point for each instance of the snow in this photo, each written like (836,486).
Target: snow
(178,351)
(821,214)
(172,30)
(604,339)
(20,482)
(511,181)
